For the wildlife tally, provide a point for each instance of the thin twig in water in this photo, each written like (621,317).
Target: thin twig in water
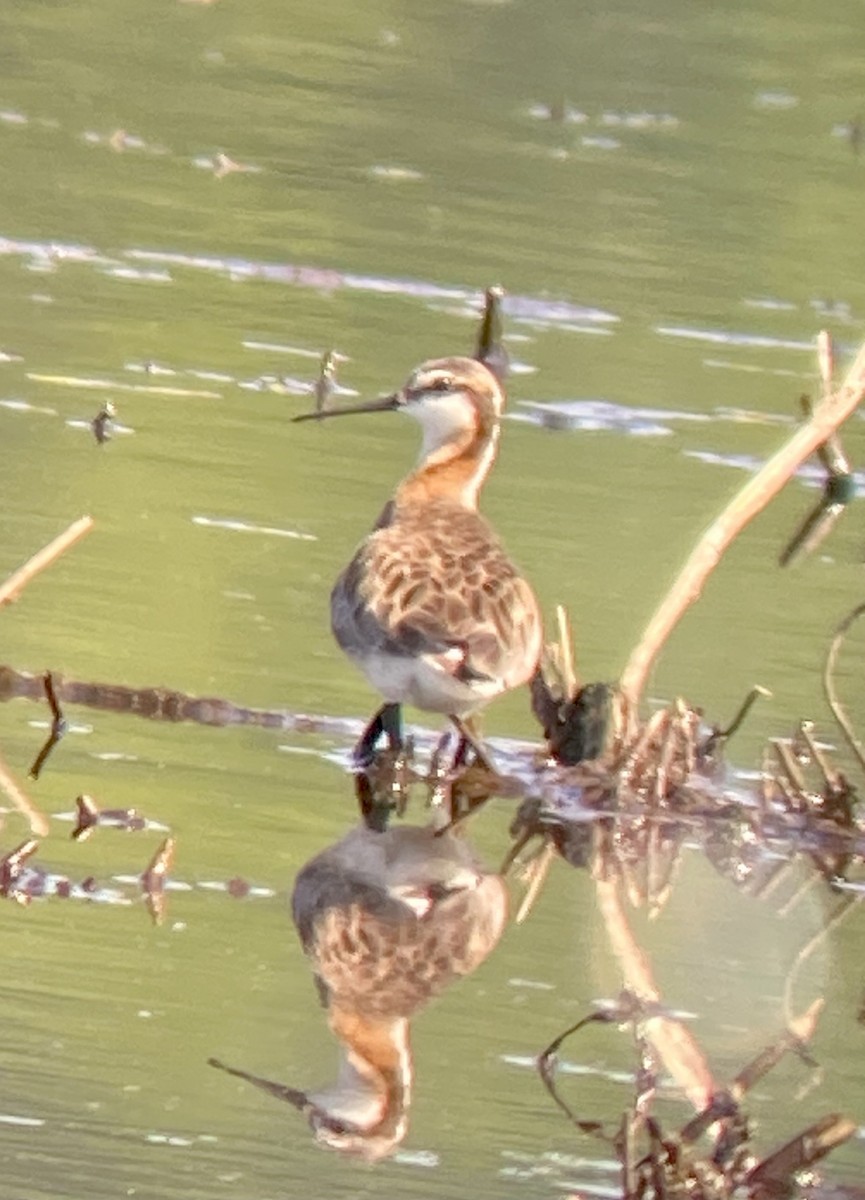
(153,880)
(535,874)
(839,488)
(58,726)
(844,908)
(838,710)
(750,501)
(548,1061)
(18,580)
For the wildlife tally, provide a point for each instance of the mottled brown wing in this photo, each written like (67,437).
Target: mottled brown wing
(446,581)
(388,968)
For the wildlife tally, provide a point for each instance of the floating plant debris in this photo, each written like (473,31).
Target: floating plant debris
(90,815)
(655,1165)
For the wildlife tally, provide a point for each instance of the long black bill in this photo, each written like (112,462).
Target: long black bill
(384,404)
(291,1095)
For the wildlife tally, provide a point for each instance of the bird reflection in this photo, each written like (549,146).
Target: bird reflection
(388,920)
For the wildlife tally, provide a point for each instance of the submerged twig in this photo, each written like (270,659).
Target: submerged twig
(325,386)
(839,486)
(11,867)
(799,1031)
(548,1061)
(844,908)
(58,726)
(777,1169)
(749,501)
(153,879)
(18,580)
(838,710)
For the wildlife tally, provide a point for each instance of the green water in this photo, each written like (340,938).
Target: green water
(704,197)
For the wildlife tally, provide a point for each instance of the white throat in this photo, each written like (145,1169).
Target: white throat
(446,421)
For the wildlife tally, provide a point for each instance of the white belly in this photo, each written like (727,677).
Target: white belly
(425,684)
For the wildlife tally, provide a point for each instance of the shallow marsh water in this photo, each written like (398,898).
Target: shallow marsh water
(671,239)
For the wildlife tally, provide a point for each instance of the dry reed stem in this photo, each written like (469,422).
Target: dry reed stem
(677,1048)
(749,501)
(19,579)
(566,644)
(8,784)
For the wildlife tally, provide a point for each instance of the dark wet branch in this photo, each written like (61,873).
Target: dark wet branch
(779,1169)
(102,423)
(58,729)
(90,815)
(490,347)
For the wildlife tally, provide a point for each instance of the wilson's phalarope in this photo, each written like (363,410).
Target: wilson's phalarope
(431,608)
(388,920)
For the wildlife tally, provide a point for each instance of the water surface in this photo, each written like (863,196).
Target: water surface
(196,202)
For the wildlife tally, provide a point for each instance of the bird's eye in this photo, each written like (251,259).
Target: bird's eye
(442,383)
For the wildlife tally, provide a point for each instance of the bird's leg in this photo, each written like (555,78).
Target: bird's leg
(391,724)
(387,721)
(470,740)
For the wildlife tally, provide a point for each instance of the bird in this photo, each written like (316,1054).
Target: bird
(430,607)
(388,921)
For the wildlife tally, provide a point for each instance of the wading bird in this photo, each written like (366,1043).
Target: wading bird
(431,608)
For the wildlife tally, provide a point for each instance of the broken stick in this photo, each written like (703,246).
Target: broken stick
(18,580)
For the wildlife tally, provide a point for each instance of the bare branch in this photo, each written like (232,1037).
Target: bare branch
(18,580)
(751,500)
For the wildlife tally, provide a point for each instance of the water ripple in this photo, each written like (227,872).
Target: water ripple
(236,526)
(726,338)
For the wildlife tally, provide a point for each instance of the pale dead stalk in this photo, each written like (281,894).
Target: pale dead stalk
(10,786)
(19,579)
(829,415)
(678,1050)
